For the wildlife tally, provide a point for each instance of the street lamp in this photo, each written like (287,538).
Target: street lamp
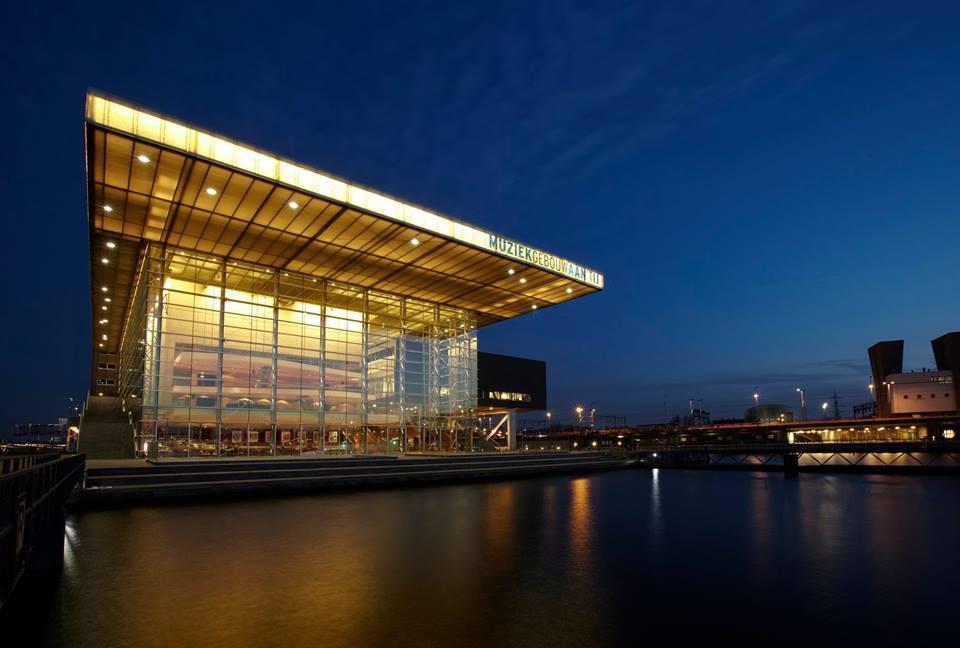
(825,406)
(756,405)
(549,421)
(579,411)
(803,403)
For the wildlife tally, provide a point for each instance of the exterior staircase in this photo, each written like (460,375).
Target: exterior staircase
(105,429)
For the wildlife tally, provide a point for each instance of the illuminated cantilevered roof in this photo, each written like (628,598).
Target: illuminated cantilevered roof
(152,179)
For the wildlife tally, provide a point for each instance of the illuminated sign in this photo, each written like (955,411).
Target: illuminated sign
(545,260)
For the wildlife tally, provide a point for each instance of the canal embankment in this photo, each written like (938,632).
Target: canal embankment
(131,481)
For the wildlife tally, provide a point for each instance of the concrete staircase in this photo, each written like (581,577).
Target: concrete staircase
(105,429)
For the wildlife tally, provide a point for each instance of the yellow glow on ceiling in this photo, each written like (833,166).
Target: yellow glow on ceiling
(145,125)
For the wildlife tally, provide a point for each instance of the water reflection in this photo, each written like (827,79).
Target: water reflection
(656,520)
(562,561)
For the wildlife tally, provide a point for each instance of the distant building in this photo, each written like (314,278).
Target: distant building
(921,392)
(769,414)
(916,392)
(698,417)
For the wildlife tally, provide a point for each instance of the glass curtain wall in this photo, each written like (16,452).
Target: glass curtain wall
(231,359)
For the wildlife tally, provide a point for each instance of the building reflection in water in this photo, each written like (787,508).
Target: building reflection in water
(762,525)
(581,527)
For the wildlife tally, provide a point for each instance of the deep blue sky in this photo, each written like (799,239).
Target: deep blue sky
(769,188)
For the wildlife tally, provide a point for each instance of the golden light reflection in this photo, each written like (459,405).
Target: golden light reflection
(581,522)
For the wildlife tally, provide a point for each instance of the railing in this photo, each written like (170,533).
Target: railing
(33,491)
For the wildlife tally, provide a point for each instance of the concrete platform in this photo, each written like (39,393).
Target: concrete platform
(118,481)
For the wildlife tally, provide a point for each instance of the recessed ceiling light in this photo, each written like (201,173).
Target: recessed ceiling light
(104,336)
(111,244)
(103,288)
(523,280)
(103,308)
(534,307)
(511,271)
(103,321)
(106,299)
(101,345)
(104,261)
(211,191)
(414,241)
(293,204)
(107,208)
(569,290)
(143,158)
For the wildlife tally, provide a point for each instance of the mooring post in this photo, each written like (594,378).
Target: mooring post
(46,550)
(791,463)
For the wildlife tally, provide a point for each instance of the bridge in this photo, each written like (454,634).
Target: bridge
(900,455)
(33,493)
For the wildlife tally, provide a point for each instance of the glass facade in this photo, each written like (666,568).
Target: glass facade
(231,359)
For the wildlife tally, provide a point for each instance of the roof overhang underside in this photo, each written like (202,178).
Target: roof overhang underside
(148,183)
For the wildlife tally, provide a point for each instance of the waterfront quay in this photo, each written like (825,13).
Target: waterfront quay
(128,481)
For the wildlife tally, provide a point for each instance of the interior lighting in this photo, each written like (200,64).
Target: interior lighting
(523,280)
(414,241)
(111,244)
(569,290)
(211,191)
(511,271)
(107,208)
(534,307)
(293,204)
(103,289)
(143,158)
(104,260)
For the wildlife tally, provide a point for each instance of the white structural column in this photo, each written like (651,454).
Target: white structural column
(511,429)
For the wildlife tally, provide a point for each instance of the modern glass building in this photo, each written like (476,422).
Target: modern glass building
(247,305)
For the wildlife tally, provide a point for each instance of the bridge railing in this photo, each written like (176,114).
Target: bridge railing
(33,491)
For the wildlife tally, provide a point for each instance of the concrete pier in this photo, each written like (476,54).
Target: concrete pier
(129,481)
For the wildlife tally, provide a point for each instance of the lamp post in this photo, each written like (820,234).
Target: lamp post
(549,421)
(756,405)
(825,406)
(803,403)
(579,411)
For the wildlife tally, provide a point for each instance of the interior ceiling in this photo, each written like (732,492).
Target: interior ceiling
(142,192)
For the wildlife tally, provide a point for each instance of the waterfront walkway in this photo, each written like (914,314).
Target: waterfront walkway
(135,480)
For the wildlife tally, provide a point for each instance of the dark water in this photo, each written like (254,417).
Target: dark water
(618,558)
